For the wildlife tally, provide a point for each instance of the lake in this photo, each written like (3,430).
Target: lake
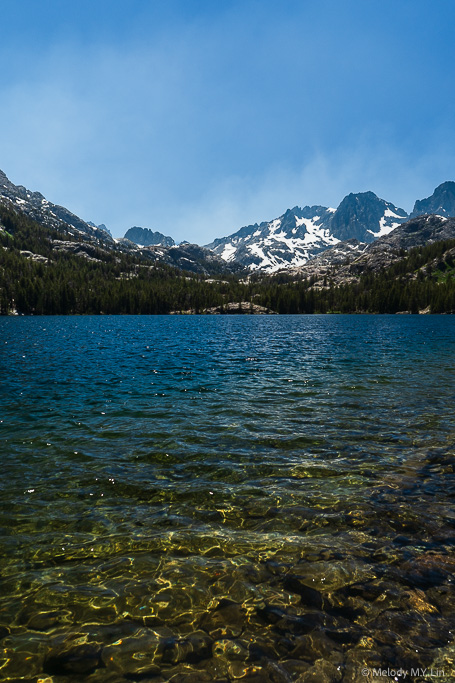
(223,498)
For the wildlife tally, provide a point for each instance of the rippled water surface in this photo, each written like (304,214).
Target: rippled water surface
(191,499)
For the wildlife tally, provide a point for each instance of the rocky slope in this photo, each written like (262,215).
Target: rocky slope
(441,202)
(38,208)
(190,257)
(100,227)
(417,232)
(289,240)
(345,266)
(93,241)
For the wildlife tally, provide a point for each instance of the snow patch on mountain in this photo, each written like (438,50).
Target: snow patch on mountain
(287,241)
(386,225)
(228,252)
(300,234)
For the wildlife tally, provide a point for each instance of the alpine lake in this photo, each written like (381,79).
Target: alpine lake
(262,499)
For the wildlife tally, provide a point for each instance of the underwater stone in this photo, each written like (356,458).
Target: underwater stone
(309,596)
(192,677)
(17,665)
(249,674)
(227,620)
(317,646)
(140,652)
(343,636)
(232,650)
(44,621)
(367,591)
(358,660)
(295,667)
(322,671)
(193,648)
(291,623)
(82,659)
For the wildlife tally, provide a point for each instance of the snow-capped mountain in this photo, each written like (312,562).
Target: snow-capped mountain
(365,217)
(300,234)
(289,240)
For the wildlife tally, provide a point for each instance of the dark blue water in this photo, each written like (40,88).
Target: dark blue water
(226,498)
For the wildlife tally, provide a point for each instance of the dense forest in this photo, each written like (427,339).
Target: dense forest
(112,282)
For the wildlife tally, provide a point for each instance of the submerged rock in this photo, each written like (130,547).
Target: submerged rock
(228,619)
(309,596)
(82,659)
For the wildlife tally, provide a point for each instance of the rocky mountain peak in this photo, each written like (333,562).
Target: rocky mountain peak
(101,226)
(302,233)
(147,237)
(441,202)
(365,216)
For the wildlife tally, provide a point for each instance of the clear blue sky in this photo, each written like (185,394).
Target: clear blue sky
(196,117)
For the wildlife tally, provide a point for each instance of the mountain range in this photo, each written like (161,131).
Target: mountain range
(151,246)
(299,234)
(289,242)
(302,234)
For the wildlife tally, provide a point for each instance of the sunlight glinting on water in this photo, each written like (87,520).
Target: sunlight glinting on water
(214,499)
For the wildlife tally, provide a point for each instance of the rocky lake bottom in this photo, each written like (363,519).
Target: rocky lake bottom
(260,499)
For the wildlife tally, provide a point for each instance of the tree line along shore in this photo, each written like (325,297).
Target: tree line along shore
(37,279)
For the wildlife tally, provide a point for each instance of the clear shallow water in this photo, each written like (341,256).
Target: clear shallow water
(226,498)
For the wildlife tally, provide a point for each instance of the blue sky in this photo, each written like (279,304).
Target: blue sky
(196,117)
